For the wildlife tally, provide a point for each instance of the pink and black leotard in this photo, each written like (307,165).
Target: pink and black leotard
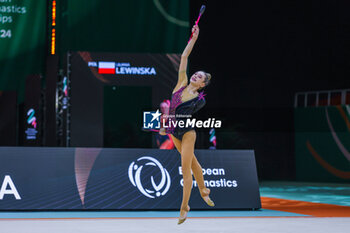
(179,110)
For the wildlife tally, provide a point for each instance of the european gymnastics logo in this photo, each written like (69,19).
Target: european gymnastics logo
(135,173)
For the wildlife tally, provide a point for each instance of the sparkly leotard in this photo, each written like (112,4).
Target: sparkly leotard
(178,111)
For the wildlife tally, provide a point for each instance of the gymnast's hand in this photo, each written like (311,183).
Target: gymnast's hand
(195,31)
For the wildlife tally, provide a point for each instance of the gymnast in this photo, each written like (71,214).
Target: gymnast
(188,98)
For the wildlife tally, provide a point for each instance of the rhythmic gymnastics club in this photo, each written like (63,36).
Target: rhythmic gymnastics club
(201,11)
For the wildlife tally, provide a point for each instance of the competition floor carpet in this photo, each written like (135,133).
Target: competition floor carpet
(286,207)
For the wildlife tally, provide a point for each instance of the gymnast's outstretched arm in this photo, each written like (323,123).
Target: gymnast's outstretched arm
(182,76)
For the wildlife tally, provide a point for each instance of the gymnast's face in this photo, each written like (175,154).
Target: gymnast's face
(198,79)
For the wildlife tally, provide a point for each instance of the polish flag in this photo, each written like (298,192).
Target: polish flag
(106,67)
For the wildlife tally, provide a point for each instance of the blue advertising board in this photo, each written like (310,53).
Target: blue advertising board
(39,178)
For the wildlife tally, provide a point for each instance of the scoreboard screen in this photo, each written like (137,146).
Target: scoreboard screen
(110,91)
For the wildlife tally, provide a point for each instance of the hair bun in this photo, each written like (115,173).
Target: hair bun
(208,75)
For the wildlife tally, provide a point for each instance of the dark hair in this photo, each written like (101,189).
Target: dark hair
(207,79)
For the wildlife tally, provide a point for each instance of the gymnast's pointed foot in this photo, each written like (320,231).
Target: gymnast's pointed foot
(183,215)
(205,195)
